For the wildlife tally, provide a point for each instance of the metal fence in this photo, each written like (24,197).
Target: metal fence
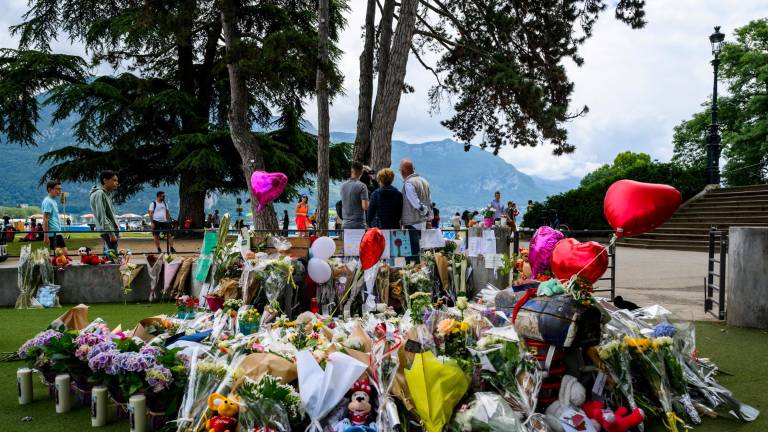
(714,293)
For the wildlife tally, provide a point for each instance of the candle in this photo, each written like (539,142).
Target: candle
(137,413)
(99,406)
(62,393)
(24,385)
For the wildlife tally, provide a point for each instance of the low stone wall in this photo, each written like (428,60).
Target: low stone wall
(82,284)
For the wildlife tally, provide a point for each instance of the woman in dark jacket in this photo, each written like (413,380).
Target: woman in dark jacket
(386,204)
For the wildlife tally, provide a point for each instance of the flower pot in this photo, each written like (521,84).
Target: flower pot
(214,303)
(120,399)
(248,328)
(157,405)
(186,315)
(81,387)
(488,222)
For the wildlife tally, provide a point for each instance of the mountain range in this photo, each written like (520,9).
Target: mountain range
(459,180)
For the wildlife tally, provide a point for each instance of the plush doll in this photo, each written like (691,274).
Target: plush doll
(60,260)
(612,421)
(87,257)
(522,266)
(359,409)
(226,411)
(566,411)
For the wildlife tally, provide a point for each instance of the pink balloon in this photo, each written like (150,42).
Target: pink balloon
(267,187)
(543,243)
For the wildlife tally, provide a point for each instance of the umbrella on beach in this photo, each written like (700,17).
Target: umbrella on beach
(87,216)
(36,216)
(130,216)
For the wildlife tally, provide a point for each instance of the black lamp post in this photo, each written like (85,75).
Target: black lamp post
(713,144)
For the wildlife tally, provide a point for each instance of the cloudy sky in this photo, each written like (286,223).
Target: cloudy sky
(638,84)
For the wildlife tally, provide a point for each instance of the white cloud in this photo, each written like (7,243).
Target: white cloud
(638,83)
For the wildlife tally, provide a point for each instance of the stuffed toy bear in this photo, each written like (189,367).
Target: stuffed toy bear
(59,259)
(523,266)
(226,410)
(87,257)
(612,421)
(566,410)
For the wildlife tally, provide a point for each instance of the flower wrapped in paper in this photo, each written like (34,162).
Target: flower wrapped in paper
(320,389)
(436,386)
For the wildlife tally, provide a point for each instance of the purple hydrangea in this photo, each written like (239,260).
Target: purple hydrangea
(40,340)
(107,345)
(150,350)
(89,339)
(133,362)
(664,329)
(104,361)
(159,378)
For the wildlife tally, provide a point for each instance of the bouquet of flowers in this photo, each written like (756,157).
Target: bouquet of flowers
(186,306)
(34,350)
(267,402)
(453,335)
(488,212)
(250,321)
(231,306)
(275,276)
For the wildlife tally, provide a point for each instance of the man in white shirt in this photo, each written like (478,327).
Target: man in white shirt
(160,217)
(498,207)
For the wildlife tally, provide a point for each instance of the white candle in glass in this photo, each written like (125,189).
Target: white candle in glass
(99,406)
(24,385)
(137,413)
(63,393)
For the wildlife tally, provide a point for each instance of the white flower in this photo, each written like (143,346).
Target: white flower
(462,303)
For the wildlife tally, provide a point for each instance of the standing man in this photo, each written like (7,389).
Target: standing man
(285,223)
(216,220)
(160,218)
(103,211)
(354,199)
(417,203)
(498,207)
(51,227)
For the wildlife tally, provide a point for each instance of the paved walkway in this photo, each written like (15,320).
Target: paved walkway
(673,279)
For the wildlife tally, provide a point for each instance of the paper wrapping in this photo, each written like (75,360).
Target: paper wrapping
(140,332)
(256,365)
(229,288)
(436,387)
(179,286)
(74,319)
(441,263)
(169,273)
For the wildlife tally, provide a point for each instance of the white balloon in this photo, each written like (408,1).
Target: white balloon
(319,270)
(323,248)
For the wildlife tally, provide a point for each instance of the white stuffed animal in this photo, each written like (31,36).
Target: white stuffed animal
(565,414)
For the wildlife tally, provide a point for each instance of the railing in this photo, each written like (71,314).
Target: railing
(591,234)
(716,238)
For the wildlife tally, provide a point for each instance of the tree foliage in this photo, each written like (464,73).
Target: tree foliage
(742,115)
(582,208)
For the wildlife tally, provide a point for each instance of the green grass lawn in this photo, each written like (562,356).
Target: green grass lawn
(740,352)
(74,241)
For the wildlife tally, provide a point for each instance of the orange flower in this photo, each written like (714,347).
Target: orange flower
(445,326)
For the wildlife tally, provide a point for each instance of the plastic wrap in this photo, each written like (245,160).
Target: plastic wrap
(487,412)
(384,366)
(35,269)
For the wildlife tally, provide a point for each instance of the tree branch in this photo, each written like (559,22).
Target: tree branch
(424,64)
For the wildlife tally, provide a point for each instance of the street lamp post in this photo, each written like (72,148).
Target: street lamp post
(713,144)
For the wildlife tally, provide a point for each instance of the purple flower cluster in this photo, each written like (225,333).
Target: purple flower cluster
(664,329)
(40,340)
(85,342)
(104,361)
(159,378)
(133,362)
(150,350)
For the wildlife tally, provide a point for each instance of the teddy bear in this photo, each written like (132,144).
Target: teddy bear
(611,421)
(226,410)
(523,266)
(60,259)
(359,409)
(566,410)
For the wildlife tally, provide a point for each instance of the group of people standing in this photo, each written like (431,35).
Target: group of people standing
(365,205)
(508,213)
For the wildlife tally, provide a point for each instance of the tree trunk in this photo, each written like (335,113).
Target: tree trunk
(388,97)
(385,43)
(362,150)
(323,133)
(239,127)
(191,203)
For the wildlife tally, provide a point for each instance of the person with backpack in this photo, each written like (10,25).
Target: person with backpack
(160,218)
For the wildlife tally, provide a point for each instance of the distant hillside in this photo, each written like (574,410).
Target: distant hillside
(459,180)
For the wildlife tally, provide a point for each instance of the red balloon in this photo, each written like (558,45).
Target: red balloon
(371,248)
(589,260)
(633,208)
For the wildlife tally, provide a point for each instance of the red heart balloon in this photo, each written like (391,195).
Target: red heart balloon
(589,260)
(633,208)
(371,248)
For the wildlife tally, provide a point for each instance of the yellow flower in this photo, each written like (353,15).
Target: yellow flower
(290,323)
(641,344)
(445,326)
(464,326)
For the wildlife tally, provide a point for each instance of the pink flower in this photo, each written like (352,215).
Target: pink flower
(258,347)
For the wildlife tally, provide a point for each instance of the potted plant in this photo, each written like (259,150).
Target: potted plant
(185,306)
(488,214)
(250,321)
